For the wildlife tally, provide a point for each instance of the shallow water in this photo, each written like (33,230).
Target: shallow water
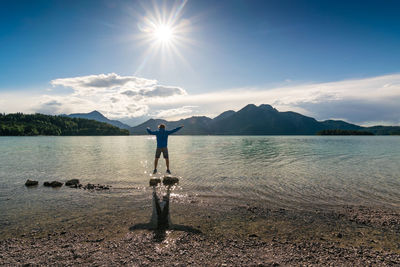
(284,170)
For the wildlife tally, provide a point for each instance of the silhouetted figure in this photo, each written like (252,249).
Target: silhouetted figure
(160,218)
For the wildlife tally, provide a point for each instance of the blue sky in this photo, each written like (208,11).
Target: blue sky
(295,55)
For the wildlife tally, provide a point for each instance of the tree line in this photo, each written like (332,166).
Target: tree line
(19,124)
(343,132)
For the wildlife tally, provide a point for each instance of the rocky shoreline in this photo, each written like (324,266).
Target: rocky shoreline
(181,249)
(205,234)
(73,183)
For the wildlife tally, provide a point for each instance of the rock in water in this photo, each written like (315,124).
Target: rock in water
(170,180)
(53,184)
(72,182)
(31,183)
(155,181)
(56,184)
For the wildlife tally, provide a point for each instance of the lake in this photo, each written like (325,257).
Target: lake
(291,171)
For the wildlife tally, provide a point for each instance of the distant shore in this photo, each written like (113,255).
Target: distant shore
(207,234)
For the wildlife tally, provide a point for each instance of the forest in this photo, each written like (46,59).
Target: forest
(343,132)
(19,124)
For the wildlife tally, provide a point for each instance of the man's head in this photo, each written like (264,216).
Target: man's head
(161,126)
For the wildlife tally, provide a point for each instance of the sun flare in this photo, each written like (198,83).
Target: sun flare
(163,33)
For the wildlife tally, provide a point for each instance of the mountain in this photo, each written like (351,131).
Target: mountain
(193,126)
(19,124)
(265,120)
(258,120)
(224,115)
(335,124)
(97,116)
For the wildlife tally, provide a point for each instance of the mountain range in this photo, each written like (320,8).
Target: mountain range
(250,120)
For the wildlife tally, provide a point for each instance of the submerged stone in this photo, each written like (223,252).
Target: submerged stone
(31,183)
(95,187)
(89,186)
(72,182)
(53,184)
(102,187)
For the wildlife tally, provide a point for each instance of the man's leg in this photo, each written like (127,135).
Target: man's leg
(167,163)
(155,163)
(166,157)
(158,153)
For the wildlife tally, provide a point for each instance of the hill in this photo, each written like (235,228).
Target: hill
(336,124)
(97,116)
(19,124)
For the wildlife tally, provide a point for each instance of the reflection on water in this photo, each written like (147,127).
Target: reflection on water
(291,170)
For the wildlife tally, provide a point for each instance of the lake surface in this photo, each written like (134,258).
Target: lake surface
(295,171)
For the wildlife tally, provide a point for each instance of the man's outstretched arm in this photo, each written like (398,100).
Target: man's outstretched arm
(175,130)
(150,131)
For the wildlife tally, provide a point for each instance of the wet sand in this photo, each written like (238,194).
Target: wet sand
(209,231)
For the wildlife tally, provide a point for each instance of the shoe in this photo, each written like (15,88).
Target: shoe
(155,171)
(168,171)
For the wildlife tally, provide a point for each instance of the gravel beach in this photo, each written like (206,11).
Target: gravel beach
(227,234)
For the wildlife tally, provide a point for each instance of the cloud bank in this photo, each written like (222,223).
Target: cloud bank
(365,101)
(114,95)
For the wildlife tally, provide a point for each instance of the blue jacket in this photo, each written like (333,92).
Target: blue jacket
(162,136)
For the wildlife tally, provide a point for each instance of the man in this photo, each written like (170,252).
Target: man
(162,143)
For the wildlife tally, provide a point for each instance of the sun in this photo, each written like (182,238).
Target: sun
(162,28)
(163,33)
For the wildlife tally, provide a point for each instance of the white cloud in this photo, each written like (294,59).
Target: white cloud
(102,82)
(174,113)
(114,95)
(155,91)
(113,83)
